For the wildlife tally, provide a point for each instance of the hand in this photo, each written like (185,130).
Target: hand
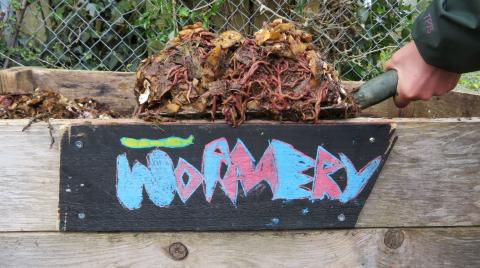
(418,80)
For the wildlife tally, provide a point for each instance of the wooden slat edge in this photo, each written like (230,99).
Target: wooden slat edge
(452,104)
(116,90)
(430,178)
(112,88)
(17,80)
(425,247)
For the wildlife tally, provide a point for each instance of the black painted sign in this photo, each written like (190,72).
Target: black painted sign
(214,177)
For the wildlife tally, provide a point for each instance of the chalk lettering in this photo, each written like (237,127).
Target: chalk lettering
(326,165)
(281,166)
(158,180)
(290,163)
(195,179)
(215,155)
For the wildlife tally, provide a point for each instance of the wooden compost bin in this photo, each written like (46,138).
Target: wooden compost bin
(424,209)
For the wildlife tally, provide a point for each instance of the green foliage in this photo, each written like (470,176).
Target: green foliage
(379,31)
(115,35)
(3,41)
(158,25)
(6,25)
(102,34)
(471,81)
(300,6)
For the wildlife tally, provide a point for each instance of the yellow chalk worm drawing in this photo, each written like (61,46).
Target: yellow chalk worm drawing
(170,142)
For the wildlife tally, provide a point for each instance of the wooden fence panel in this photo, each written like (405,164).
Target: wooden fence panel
(430,178)
(433,247)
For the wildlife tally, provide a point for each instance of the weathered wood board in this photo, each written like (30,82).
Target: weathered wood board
(146,177)
(410,247)
(430,181)
(112,88)
(430,178)
(116,90)
(452,104)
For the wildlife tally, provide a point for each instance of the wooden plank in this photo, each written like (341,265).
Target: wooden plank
(116,90)
(424,247)
(112,88)
(270,176)
(452,104)
(432,166)
(17,80)
(29,152)
(430,179)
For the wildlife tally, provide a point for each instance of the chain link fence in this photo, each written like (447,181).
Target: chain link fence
(357,36)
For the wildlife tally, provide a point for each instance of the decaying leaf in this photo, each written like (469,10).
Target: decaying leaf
(262,36)
(173,107)
(228,39)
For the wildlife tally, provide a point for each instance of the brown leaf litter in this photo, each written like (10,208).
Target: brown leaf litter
(49,104)
(45,105)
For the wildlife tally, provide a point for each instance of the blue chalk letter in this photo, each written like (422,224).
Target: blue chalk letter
(356,180)
(291,164)
(159,180)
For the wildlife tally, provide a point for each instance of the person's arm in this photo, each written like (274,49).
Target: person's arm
(446,43)
(447,35)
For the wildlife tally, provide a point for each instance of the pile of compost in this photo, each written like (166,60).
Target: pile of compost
(277,73)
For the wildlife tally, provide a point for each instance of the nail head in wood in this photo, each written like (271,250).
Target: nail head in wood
(79,144)
(178,251)
(394,238)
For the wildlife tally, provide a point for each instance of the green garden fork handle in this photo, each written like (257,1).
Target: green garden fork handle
(377,90)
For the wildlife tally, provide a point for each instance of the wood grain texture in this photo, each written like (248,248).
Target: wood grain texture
(452,104)
(116,90)
(16,80)
(430,178)
(112,88)
(432,247)
(28,176)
